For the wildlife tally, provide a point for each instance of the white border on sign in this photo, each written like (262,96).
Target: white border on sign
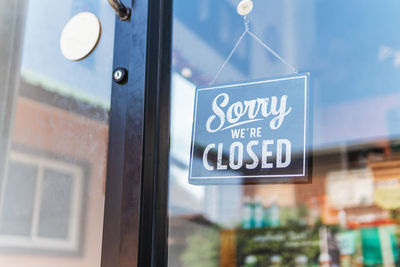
(251,176)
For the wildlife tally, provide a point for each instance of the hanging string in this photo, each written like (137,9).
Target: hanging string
(229,57)
(273,52)
(269,49)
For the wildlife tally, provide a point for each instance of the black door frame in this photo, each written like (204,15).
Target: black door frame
(135,216)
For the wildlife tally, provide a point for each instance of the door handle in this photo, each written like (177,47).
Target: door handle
(122,11)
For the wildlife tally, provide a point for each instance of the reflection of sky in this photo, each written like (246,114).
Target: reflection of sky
(351,48)
(43,62)
(348,43)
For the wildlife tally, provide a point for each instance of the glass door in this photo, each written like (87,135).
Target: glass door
(347,212)
(54,121)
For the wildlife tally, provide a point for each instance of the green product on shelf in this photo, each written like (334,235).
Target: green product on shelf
(247,220)
(258,212)
(272,215)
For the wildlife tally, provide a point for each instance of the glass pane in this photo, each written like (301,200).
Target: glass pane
(55,204)
(54,121)
(348,214)
(17,204)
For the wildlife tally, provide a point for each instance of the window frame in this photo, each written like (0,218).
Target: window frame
(45,160)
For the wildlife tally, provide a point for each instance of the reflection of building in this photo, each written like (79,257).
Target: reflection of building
(53,196)
(54,133)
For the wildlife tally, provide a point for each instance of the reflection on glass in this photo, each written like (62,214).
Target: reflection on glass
(53,135)
(349,214)
(55,204)
(16,210)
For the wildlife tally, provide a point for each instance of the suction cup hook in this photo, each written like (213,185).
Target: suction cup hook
(245,7)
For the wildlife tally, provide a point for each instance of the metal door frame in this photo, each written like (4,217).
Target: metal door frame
(135,216)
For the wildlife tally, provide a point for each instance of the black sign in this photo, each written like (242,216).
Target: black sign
(251,132)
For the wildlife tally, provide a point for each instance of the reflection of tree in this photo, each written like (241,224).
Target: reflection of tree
(202,249)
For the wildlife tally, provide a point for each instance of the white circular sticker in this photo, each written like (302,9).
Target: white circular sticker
(80,36)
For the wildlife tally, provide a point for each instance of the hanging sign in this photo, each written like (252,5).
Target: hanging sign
(252,132)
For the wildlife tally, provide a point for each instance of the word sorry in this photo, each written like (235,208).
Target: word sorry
(260,106)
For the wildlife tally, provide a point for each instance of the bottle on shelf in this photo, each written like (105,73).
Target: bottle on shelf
(247,217)
(258,211)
